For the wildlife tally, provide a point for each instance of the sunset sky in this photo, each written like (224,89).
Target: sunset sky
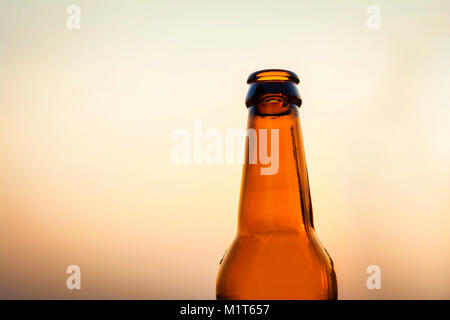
(86,118)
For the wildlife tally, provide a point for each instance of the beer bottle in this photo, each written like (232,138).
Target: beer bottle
(276,253)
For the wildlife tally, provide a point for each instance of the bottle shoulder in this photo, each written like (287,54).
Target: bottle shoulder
(274,262)
(293,251)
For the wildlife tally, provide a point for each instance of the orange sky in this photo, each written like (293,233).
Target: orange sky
(86,118)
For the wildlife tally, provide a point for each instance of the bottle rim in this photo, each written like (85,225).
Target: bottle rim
(273,75)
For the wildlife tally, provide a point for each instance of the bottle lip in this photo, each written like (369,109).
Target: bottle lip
(259,91)
(273,75)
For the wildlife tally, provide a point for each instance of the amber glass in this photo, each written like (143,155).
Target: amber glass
(276,253)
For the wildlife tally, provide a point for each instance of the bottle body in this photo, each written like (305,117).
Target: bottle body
(276,253)
(277,266)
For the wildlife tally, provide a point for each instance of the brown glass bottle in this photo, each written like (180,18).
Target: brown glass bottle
(276,253)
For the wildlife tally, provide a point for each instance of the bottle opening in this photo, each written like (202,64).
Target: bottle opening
(273,75)
(273,86)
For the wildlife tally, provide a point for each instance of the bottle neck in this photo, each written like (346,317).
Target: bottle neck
(275,193)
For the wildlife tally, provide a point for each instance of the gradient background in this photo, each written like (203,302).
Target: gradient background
(86,118)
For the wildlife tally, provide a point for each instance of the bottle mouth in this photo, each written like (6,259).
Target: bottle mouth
(273,84)
(273,75)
